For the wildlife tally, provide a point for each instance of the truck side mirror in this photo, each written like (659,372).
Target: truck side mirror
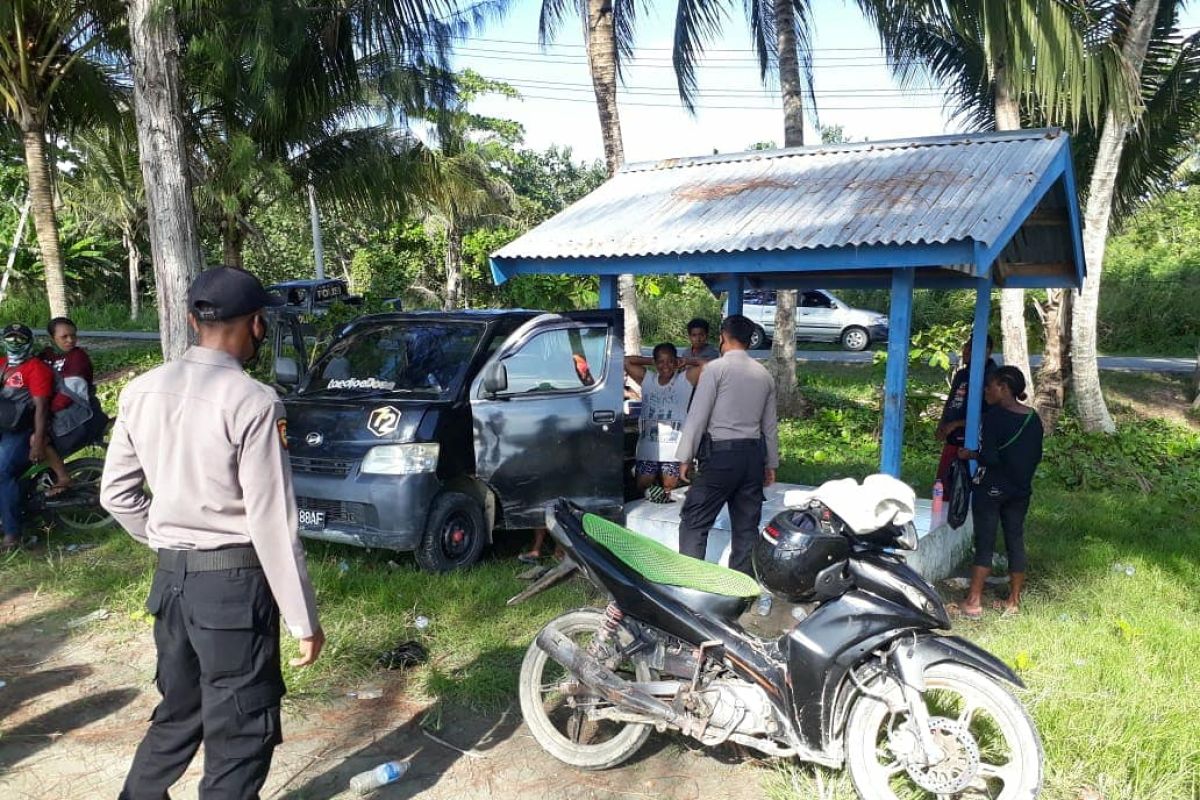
(287,371)
(495,379)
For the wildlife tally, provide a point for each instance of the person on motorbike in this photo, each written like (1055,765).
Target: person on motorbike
(71,406)
(26,386)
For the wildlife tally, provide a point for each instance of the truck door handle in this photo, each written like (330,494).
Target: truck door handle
(604,417)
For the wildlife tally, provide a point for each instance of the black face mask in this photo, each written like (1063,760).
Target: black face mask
(257,342)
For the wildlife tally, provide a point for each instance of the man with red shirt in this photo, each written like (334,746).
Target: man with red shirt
(24,379)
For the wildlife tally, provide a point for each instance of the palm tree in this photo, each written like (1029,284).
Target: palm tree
(50,76)
(781,33)
(1001,61)
(106,191)
(466,192)
(282,97)
(608,29)
(1135,156)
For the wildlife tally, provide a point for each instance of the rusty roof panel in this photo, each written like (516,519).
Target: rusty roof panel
(933,190)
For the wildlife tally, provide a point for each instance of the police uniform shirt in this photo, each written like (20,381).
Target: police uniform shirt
(734,399)
(210,443)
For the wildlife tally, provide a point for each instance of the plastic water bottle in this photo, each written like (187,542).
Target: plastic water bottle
(939,497)
(763,607)
(372,779)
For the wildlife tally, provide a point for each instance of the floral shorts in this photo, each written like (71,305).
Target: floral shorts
(670,468)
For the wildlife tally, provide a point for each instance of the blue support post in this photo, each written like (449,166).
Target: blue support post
(895,384)
(608,291)
(733,300)
(979,332)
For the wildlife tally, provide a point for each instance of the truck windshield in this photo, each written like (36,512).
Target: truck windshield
(425,358)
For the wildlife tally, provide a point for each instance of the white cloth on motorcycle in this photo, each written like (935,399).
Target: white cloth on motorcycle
(79,412)
(879,501)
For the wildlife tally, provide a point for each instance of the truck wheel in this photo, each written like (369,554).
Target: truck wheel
(758,338)
(454,534)
(855,338)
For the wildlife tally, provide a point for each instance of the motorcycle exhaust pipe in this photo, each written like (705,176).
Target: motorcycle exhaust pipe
(604,682)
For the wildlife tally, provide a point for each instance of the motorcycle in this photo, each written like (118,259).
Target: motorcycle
(78,507)
(866,681)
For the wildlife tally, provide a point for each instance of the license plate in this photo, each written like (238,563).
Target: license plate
(312,520)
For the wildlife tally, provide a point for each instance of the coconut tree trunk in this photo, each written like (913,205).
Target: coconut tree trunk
(1089,400)
(453,260)
(18,237)
(171,214)
(602,63)
(1054,375)
(782,364)
(45,222)
(233,242)
(1015,340)
(133,260)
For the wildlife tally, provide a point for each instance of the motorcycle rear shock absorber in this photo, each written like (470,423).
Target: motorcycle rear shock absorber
(603,644)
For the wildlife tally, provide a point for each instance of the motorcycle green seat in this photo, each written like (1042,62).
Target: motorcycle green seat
(660,564)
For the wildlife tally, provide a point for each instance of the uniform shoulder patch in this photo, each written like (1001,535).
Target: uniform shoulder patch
(281,426)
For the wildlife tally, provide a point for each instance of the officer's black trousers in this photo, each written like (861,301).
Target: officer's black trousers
(732,474)
(218,672)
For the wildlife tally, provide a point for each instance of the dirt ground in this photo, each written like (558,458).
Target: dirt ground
(75,705)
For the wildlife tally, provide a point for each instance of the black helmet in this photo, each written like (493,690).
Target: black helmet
(795,547)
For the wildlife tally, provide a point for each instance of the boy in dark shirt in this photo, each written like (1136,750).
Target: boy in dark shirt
(74,369)
(952,427)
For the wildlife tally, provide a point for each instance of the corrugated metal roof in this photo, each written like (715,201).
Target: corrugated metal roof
(918,191)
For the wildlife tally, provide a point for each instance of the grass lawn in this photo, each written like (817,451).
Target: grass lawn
(1109,658)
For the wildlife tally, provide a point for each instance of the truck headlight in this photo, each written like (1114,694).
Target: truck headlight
(401,459)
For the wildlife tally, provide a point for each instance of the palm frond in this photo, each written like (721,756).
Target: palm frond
(696,23)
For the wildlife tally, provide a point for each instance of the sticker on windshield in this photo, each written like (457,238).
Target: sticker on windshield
(383,421)
(360,383)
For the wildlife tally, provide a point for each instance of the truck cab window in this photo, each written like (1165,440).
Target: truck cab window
(561,360)
(815,300)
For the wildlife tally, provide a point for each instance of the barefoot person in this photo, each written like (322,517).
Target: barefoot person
(211,443)
(665,398)
(1009,454)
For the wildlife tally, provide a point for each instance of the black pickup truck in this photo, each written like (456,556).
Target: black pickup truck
(429,431)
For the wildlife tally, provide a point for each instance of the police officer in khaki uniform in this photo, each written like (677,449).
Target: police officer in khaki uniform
(731,430)
(210,443)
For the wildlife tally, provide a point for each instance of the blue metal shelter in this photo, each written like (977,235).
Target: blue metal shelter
(971,211)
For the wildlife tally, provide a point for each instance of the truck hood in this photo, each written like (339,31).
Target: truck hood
(346,427)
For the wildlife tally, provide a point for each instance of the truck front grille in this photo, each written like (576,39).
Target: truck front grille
(337,467)
(336,510)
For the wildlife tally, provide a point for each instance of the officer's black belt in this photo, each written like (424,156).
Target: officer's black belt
(207,560)
(735,444)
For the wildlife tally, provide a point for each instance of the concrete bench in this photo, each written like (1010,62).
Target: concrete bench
(940,548)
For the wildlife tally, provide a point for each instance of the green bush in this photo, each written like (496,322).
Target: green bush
(667,305)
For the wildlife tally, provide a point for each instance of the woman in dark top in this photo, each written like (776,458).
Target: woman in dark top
(1008,455)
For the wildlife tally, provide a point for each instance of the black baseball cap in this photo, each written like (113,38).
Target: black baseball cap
(17,329)
(228,293)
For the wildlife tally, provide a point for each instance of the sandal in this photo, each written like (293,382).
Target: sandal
(1006,609)
(58,488)
(9,544)
(532,557)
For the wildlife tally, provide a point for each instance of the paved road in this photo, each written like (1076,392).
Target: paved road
(1117,363)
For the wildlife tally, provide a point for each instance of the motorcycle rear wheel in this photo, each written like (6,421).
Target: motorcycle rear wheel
(562,731)
(1000,739)
(85,483)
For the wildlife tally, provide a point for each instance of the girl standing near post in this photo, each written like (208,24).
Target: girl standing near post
(1008,456)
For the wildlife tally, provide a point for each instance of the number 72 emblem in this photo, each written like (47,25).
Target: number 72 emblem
(383,420)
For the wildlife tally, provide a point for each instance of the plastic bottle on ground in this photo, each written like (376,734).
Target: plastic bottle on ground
(763,607)
(372,779)
(939,497)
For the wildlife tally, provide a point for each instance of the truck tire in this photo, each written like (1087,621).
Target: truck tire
(454,533)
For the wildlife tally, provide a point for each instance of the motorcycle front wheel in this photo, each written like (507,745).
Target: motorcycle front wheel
(990,744)
(558,718)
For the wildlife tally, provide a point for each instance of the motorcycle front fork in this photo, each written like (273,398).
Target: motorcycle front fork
(909,674)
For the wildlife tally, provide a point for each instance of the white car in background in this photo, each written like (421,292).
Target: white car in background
(820,317)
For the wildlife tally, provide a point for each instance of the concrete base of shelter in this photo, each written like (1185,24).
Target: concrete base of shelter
(940,548)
